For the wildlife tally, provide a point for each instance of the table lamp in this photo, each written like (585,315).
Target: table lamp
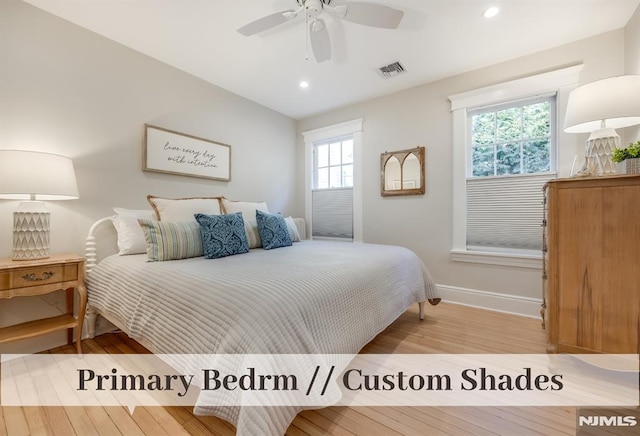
(34,177)
(599,108)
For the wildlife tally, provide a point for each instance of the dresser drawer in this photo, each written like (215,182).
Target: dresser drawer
(36,276)
(28,278)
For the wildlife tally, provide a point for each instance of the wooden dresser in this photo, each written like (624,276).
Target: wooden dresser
(592,265)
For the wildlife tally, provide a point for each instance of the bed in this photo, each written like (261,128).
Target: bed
(313,297)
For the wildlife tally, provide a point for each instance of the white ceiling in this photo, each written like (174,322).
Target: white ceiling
(436,39)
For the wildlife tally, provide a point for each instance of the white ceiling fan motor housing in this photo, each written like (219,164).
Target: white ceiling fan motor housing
(313,8)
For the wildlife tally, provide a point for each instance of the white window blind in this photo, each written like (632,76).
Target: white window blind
(332,213)
(505,213)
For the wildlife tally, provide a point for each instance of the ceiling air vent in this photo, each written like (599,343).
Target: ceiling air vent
(391,70)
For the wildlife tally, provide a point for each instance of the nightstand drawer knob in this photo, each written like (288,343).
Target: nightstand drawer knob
(34,278)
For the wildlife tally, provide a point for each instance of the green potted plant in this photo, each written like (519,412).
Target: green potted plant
(631,156)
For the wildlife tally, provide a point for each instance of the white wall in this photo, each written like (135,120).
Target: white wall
(421,116)
(632,44)
(68,91)
(632,64)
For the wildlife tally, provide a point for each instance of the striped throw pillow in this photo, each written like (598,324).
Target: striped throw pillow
(172,240)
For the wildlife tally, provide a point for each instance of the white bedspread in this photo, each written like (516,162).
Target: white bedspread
(315,297)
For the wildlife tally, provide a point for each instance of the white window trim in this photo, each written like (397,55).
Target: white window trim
(354,128)
(560,81)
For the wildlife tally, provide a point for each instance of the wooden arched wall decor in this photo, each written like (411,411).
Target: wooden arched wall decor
(402,172)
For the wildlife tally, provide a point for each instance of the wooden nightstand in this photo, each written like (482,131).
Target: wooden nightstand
(25,278)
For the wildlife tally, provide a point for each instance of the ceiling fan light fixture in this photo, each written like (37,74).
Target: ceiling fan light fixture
(313,8)
(316,32)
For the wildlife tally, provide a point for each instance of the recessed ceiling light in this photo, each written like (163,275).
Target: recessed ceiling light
(304,84)
(491,12)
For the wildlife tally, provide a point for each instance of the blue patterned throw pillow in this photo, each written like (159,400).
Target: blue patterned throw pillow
(273,230)
(222,235)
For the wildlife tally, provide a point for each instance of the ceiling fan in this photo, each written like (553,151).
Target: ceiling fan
(367,14)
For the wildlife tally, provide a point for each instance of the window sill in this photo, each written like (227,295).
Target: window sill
(502,259)
(329,238)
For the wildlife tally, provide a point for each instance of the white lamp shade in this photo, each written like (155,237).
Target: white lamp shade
(34,175)
(615,100)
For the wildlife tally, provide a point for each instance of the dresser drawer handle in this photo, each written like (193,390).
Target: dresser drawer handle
(33,278)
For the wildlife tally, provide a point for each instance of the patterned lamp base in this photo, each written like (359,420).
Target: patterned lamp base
(31,231)
(600,146)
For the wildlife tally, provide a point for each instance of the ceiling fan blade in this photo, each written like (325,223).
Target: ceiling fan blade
(370,14)
(266,23)
(320,42)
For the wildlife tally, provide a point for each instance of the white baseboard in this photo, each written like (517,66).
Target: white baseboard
(524,306)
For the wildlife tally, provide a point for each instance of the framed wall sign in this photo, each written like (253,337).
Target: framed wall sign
(169,152)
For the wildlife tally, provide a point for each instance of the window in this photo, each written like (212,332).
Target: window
(333,182)
(504,151)
(333,164)
(511,156)
(513,139)
(332,196)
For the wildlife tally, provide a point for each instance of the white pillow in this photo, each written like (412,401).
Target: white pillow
(293,229)
(183,209)
(131,238)
(253,235)
(248,211)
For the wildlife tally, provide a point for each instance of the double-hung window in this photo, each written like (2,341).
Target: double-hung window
(332,194)
(511,155)
(333,181)
(504,151)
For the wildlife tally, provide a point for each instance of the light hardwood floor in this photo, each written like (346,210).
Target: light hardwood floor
(447,328)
